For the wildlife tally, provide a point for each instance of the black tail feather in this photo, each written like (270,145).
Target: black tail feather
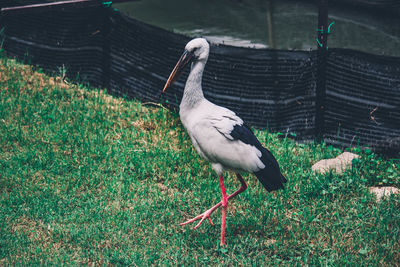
(270,177)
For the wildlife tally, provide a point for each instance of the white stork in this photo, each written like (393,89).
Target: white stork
(219,135)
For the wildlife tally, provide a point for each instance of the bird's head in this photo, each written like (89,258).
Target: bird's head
(197,49)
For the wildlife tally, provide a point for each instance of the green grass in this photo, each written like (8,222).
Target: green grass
(87,178)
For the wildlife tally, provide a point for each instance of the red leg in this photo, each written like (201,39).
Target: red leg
(206,214)
(224,209)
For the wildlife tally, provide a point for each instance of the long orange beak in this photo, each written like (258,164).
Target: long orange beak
(182,62)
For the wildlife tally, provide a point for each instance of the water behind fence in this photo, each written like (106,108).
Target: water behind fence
(271,89)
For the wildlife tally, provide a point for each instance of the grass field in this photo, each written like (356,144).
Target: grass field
(87,178)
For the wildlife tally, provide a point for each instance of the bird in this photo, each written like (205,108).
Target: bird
(219,135)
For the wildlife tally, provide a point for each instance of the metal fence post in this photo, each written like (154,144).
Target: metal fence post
(321,69)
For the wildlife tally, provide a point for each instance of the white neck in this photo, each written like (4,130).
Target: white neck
(193,92)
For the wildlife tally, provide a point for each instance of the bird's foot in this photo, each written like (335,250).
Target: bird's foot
(206,214)
(202,217)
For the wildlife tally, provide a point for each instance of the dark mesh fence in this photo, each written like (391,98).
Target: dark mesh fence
(268,88)
(69,39)
(362,99)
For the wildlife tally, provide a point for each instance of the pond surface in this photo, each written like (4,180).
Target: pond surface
(281,24)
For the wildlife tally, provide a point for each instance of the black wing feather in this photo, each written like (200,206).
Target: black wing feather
(270,177)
